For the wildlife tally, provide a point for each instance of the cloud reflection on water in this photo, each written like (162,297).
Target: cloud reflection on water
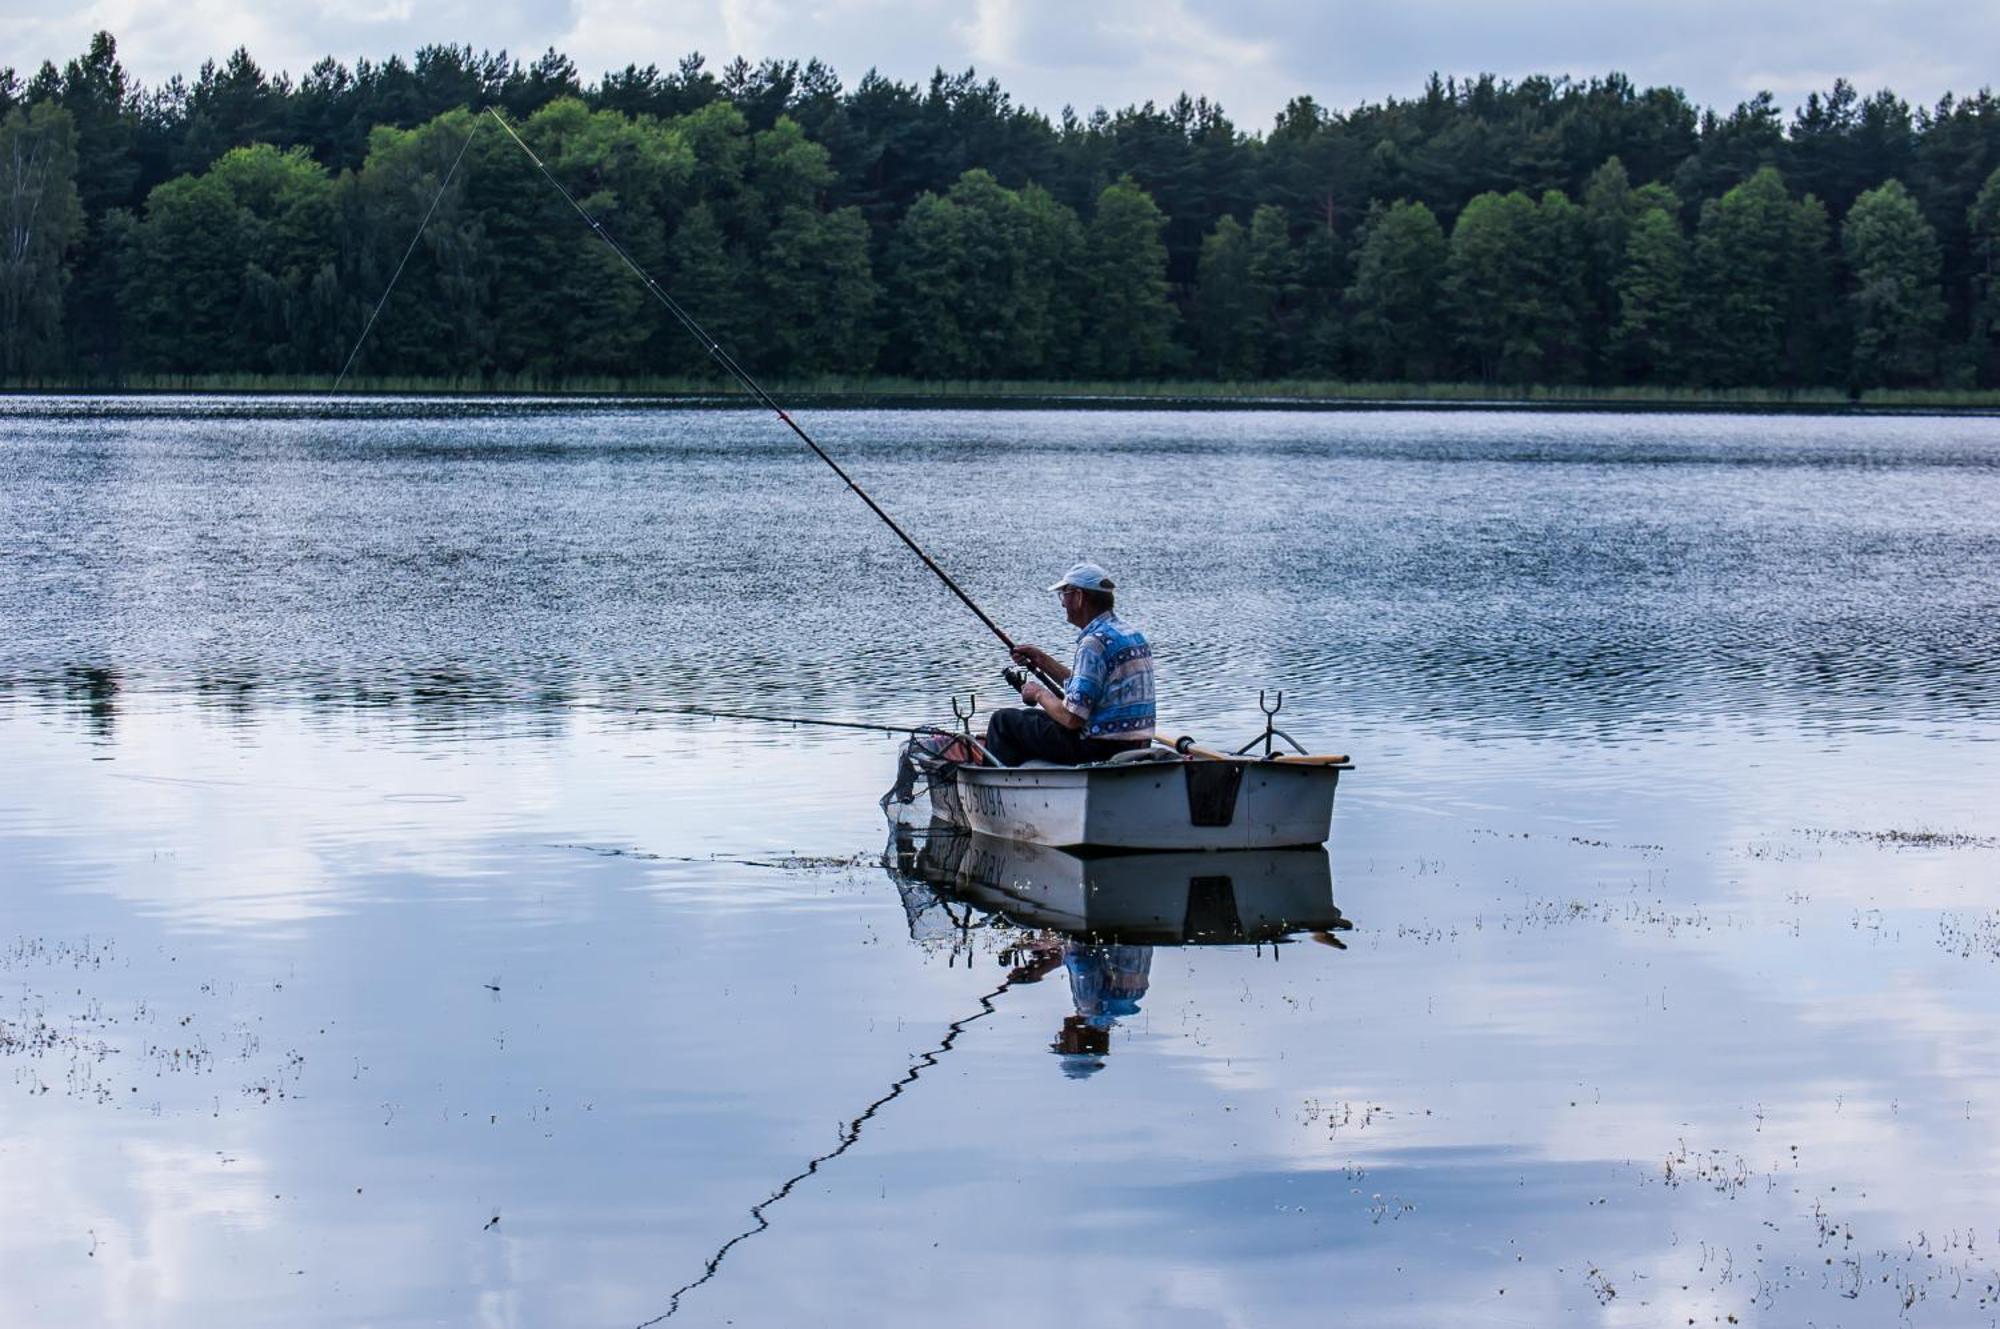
(331,826)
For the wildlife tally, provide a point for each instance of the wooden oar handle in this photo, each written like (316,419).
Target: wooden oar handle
(1187,747)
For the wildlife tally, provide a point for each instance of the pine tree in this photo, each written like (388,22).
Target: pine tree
(97,96)
(40,217)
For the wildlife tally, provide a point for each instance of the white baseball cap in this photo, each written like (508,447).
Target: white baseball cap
(1086,577)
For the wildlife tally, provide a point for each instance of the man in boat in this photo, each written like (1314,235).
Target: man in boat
(1106,703)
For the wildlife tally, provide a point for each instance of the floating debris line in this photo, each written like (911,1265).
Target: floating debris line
(849,1135)
(1921,838)
(787,862)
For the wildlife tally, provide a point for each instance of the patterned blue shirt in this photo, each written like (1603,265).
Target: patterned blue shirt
(1111,684)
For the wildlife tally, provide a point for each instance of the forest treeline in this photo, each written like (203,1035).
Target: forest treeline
(1550,231)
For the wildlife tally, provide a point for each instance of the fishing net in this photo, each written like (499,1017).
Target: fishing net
(922,863)
(926,785)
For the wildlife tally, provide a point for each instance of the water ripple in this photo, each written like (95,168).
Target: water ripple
(1481,574)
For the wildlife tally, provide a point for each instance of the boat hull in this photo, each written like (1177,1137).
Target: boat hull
(1168,805)
(1232,896)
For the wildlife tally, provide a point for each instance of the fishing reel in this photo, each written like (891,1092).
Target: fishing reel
(1017,677)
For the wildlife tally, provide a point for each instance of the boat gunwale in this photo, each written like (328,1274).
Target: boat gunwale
(1031,774)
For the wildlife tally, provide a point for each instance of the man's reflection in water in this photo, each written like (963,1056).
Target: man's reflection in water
(1106,983)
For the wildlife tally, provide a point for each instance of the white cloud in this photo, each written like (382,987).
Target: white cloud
(992,34)
(1251,55)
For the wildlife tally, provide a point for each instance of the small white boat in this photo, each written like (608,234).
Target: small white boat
(1145,800)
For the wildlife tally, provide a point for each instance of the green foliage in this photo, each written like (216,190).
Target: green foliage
(1276,290)
(787,169)
(1983,223)
(1599,232)
(1562,260)
(1612,209)
(1399,276)
(1815,329)
(105,107)
(977,281)
(1743,260)
(1128,322)
(285,227)
(1002,292)
(1225,307)
(819,296)
(1051,308)
(183,283)
(1494,289)
(926,291)
(437,319)
(1898,312)
(40,217)
(707,281)
(1650,290)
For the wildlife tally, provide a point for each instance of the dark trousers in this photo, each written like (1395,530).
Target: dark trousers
(1028,734)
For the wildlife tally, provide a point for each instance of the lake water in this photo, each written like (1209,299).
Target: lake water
(375,949)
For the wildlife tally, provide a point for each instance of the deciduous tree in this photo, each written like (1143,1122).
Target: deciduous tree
(1399,274)
(1983,223)
(1128,323)
(1898,310)
(1493,288)
(1743,260)
(1650,288)
(1226,315)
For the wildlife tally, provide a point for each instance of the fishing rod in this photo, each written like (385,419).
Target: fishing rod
(741,375)
(1184,744)
(706,713)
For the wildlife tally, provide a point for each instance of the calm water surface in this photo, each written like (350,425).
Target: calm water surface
(375,950)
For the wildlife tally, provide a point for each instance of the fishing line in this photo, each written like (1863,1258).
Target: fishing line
(848,1136)
(742,376)
(428,212)
(769,719)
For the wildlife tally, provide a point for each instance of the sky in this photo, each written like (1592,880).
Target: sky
(1252,56)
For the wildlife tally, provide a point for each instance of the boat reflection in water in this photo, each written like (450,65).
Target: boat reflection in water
(1099,916)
